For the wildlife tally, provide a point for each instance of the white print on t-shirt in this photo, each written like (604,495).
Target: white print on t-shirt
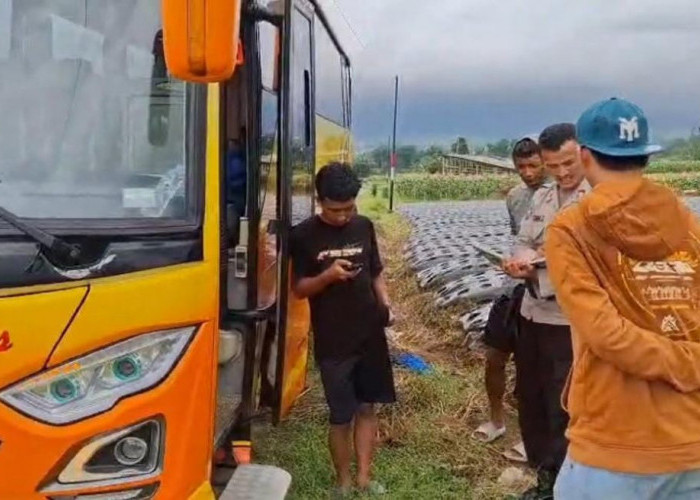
(644,270)
(349,251)
(669,324)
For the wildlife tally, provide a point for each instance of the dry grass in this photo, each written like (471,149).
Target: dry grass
(453,404)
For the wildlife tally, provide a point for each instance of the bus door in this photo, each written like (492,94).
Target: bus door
(253,287)
(280,171)
(288,335)
(278,41)
(298,170)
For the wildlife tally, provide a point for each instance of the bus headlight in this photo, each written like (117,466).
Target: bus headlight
(95,383)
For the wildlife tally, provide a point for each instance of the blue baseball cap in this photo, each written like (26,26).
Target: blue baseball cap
(615,127)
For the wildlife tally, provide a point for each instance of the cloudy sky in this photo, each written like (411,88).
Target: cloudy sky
(488,69)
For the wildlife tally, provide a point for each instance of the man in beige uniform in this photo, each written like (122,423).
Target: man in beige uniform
(499,336)
(543,346)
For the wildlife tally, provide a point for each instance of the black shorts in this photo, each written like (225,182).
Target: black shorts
(365,377)
(501,327)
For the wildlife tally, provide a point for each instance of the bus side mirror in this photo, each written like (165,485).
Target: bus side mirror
(201,38)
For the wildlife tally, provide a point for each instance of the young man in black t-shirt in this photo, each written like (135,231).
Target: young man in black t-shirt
(337,267)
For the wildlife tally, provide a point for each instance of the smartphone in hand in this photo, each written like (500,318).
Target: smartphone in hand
(539,263)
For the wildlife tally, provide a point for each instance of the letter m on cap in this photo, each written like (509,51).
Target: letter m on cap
(629,129)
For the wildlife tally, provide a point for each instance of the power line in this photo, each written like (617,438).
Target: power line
(347,22)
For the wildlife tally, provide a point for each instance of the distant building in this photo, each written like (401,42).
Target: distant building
(455,164)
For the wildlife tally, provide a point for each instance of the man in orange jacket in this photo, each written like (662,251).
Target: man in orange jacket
(542,347)
(625,264)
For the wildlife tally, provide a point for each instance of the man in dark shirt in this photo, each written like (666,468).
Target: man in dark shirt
(337,267)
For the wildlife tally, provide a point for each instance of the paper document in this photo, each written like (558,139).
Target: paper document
(497,258)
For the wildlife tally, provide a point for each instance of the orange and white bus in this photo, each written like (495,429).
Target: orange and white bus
(145,313)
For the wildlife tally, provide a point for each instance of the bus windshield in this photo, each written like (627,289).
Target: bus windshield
(91,126)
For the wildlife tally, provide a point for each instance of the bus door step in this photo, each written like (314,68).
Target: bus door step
(257,482)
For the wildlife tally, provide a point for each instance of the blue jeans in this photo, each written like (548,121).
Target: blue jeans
(580,482)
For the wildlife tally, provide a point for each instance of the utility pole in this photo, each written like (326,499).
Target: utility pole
(393,147)
(388,158)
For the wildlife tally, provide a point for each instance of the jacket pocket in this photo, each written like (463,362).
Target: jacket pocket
(574,394)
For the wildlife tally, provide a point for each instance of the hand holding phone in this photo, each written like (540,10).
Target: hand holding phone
(340,270)
(539,263)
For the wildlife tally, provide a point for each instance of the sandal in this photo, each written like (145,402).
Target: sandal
(374,488)
(516,453)
(488,432)
(340,493)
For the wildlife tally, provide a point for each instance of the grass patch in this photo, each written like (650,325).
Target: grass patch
(376,207)
(425,446)
(408,462)
(670,165)
(681,183)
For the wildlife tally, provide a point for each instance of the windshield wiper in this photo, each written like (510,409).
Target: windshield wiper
(55,248)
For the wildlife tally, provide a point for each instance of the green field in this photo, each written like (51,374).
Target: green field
(681,176)
(673,166)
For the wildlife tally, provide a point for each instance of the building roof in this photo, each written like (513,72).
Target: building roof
(483,160)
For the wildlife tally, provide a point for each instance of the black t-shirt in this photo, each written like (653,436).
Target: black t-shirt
(345,313)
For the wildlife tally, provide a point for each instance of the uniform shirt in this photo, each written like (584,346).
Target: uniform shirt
(518,203)
(542,307)
(344,314)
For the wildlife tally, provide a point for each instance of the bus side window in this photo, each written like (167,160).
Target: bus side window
(268,39)
(302,144)
(332,100)
(330,79)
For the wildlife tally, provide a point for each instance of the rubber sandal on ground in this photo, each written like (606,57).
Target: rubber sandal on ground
(488,433)
(341,493)
(516,453)
(374,488)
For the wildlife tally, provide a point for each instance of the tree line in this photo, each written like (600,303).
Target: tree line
(413,159)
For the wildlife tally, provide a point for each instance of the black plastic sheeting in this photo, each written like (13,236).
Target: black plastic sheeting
(448,266)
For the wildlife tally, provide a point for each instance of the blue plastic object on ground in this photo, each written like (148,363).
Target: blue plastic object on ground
(412,362)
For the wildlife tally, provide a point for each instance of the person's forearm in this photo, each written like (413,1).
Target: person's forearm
(380,290)
(309,287)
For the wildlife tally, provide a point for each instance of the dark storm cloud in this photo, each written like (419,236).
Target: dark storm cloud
(491,69)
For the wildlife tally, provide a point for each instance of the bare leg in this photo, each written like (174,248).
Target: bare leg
(341,452)
(365,436)
(495,378)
